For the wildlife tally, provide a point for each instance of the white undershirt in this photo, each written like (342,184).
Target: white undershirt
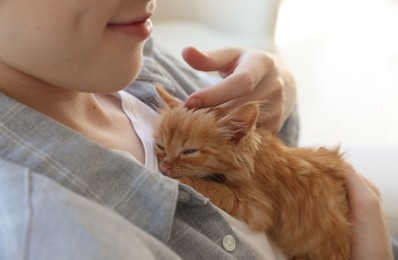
(142,118)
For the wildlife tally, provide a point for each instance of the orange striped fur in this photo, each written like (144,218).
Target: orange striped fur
(296,195)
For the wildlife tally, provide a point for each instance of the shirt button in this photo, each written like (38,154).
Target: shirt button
(183,196)
(229,243)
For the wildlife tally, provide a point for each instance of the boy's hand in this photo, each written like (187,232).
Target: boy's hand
(249,75)
(371,234)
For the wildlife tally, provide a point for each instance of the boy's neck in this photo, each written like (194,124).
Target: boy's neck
(71,108)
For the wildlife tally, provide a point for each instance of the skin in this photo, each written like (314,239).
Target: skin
(61,59)
(371,235)
(57,56)
(249,75)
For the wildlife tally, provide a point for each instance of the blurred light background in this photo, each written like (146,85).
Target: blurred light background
(344,55)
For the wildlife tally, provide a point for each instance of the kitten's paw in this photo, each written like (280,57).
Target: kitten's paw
(185,180)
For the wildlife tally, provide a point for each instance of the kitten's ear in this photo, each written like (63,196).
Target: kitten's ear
(263,119)
(239,121)
(167,99)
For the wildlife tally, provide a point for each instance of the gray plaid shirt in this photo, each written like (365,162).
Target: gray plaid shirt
(64,197)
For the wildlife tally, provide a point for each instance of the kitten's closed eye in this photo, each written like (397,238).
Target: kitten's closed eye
(160,147)
(189,151)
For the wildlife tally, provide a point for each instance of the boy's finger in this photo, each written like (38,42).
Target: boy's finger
(220,60)
(235,86)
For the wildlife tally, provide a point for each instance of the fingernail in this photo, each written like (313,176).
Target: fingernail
(194,102)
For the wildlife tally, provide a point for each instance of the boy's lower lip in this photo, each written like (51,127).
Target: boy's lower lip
(142,29)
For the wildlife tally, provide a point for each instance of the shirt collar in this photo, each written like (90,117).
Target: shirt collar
(35,141)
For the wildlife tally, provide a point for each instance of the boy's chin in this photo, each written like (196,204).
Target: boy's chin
(114,84)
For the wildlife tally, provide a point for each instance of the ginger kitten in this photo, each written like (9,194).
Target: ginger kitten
(296,195)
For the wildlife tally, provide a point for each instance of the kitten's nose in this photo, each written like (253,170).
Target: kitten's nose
(165,168)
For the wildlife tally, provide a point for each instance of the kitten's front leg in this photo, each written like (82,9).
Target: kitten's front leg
(251,208)
(185,180)
(219,194)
